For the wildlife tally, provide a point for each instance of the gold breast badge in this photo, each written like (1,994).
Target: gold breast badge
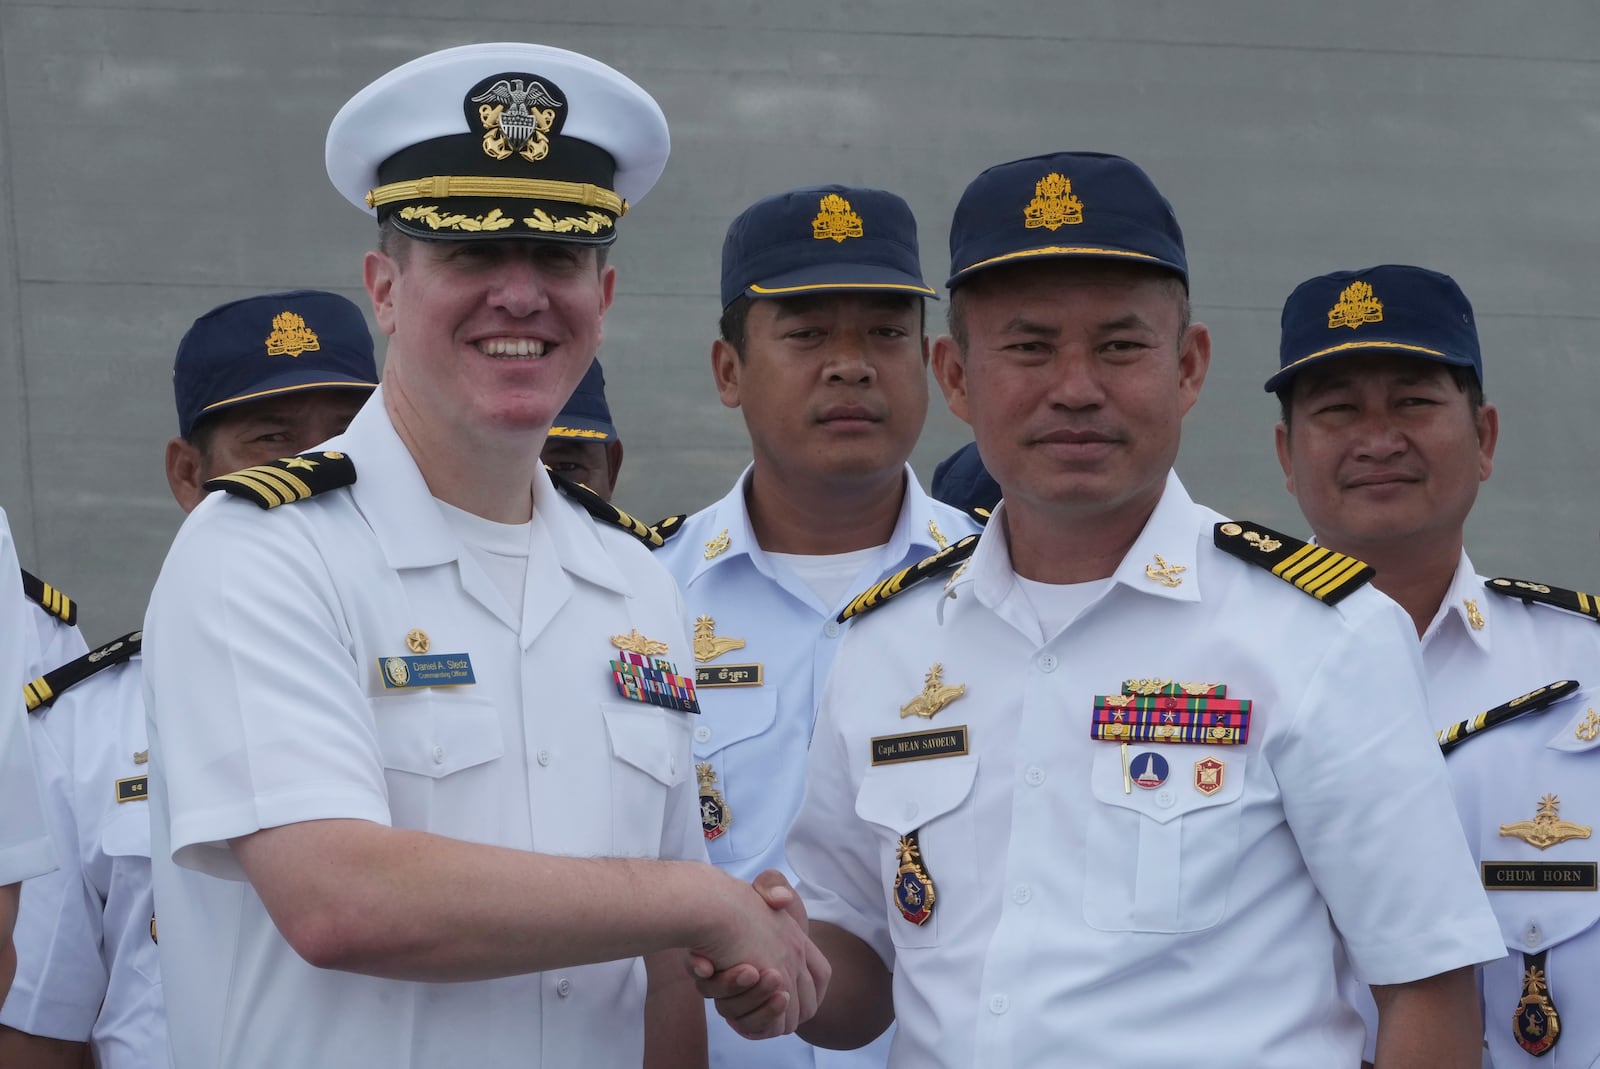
(1536,1024)
(1164,573)
(913,887)
(1547,828)
(707,646)
(715,816)
(417,640)
(634,642)
(935,695)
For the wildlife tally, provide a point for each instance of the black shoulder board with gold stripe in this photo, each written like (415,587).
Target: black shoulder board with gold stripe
(670,526)
(49,598)
(876,595)
(288,480)
(981,514)
(1325,575)
(1531,702)
(1571,600)
(606,512)
(42,692)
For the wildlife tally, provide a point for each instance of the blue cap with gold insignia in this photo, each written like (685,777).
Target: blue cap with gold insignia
(1391,308)
(501,140)
(586,416)
(822,239)
(1085,205)
(262,347)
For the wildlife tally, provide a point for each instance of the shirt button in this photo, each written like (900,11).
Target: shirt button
(1164,799)
(702,734)
(911,811)
(438,755)
(1532,938)
(1022,894)
(999,1004)
(1034,775)
(831,629)
(543,757)
(1047,662)
(563,987)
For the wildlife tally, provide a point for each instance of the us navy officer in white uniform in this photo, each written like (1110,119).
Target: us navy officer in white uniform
(1124,788)
(419,725)
(252,380)
(823,352)
(1385,440)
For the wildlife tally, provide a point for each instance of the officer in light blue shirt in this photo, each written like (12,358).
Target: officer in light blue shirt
(822,349)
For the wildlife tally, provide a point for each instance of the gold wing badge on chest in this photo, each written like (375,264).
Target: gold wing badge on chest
(934,696)
(708,646)
(641,675)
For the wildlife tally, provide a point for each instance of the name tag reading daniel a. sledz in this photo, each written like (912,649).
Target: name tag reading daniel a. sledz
(426,670)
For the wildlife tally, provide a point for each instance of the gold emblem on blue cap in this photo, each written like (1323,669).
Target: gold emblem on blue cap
(517,117)
(835,220)
(290,336)
(1053,205)
(1356,306)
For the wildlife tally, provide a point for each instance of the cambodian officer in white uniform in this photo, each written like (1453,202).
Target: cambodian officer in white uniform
(1117,792)
(1385,439)
(25,846)
(252,379)
(823,352)
(419,730)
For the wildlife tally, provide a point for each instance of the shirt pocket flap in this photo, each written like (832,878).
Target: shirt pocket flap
(730,718)
(1190,778)
(435,735)
(655,741)
(127,833)
(905,797)
(1537,920)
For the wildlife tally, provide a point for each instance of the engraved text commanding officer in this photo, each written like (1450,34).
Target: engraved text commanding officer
(419,726)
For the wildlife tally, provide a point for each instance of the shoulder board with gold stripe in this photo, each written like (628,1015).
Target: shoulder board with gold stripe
(289,479)
(875,595)
(606,512)
(1571,600)
(42,692)
(1531,702)
(49,598)
(670,526)
(1325,575)
(980,514)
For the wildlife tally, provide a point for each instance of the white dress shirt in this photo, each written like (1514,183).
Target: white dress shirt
(25,846)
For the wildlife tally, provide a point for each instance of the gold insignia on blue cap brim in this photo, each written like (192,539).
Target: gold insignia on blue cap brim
(1064,250)
(754,290)
(337,384)
(1359,346)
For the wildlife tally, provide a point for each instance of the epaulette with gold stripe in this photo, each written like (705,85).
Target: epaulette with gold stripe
(875,595)
(606,512)
(670,526)
(42,692)
(289,479)
(49,598)
(1531,702)
(1571,600)
(1325,575)
(981,514)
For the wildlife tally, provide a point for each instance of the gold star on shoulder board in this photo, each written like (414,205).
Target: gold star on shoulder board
(935,695)
(300,463)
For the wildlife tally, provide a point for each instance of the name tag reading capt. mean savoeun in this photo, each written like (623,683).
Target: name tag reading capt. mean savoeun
(426,670)
(920,745)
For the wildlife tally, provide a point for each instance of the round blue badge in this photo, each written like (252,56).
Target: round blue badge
(1149,770)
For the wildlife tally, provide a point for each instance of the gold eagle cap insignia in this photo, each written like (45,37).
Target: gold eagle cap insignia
(708,646)
(290,336)
(1547,828)
(634,642)
(835,220)
(1356,306)
(934,696)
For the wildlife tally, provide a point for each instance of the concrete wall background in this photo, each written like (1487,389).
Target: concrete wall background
(156,161)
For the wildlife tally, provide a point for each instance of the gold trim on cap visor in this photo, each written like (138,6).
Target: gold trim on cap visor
(1349,345)
(584,193)
(1060,250)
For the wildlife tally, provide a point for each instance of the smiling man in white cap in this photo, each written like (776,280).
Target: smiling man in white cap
(420,769)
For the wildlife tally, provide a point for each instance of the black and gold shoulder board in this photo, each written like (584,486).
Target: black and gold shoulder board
(1531,702)
(288,480)
(606,512)
(668,527)
(1571,600)
(980,514)
(950,557)
(1325,575)
(42,692)
(49,598)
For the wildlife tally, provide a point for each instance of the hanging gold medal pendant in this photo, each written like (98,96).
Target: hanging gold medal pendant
(715,816)
(1536,1024)
(913,887)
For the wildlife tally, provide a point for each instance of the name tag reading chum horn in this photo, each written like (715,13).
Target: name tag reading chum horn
(426,670)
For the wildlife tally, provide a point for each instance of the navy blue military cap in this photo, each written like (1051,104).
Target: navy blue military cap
(586,415)
(1393,308)
(261,347)
(820,239)
(962,480)
(1065,204)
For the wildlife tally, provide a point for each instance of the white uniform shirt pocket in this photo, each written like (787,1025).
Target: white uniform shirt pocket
(129,911)
(1161,858)
(427,738)
(733,732)
(929,798)
(650,752)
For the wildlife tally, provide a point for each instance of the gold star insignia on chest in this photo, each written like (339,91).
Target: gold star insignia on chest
(1168,575)
(708,646)
(935,695)
(1547,828)
(634,642)
(417,640)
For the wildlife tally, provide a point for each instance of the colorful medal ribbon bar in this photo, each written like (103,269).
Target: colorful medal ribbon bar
(1171,718)
(654,681)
